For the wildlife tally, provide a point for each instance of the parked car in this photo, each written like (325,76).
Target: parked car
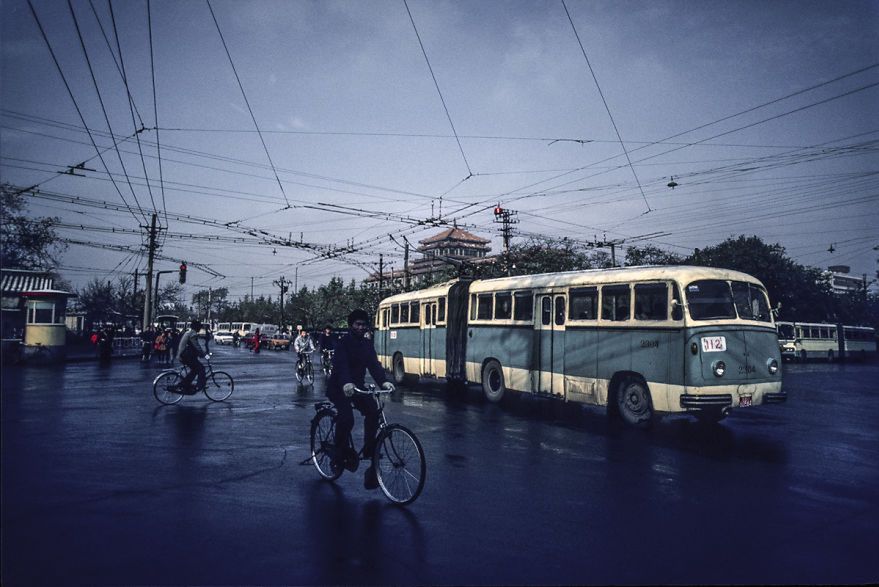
(280,342)
(223,337)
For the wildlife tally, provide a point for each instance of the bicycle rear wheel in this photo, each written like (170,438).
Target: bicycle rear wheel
(219,386)
(166,388)
(399,464)
(323,430)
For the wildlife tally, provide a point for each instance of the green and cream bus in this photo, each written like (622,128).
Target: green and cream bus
(803,341)
(642,341)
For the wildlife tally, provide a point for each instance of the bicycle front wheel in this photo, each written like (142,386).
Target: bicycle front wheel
(166,388)
(399,464)
(309,373)
(323,431)
(219,386)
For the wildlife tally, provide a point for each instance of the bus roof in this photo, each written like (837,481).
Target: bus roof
(430,292)
(680,273)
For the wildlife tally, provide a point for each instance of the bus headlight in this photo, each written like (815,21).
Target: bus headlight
(772,366)
(719,368)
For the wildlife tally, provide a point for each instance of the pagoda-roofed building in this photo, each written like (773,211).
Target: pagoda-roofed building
(441,254)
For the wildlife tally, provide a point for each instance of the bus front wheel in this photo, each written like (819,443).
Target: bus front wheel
(493,381)
(633,401)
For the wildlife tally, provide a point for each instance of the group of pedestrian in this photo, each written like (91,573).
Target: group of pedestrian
(103,341)
(159,343)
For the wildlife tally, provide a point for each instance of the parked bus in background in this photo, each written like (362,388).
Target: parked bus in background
(642,341)
(165,321)
(803,341)
(243,328)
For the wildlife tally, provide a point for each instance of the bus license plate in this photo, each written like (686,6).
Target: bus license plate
(745,401)
(713,344)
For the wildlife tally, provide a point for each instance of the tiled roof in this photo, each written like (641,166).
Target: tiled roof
(454,233)
(18,280)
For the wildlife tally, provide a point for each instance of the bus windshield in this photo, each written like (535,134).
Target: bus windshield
(713,299)
(786,332)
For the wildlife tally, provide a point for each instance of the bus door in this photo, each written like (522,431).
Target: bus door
(384,320)
(550,345)
(428,344)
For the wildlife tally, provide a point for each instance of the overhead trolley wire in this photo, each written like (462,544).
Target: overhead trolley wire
(156,108)
(131,106)
(101,101)
(247,102)
(606,107)
(78,110)
(438,91)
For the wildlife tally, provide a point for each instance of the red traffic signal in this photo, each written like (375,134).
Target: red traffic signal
(498,211)
(183,273)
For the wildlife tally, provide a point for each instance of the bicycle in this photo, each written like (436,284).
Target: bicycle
(304,368)
(218,385)
(326,361)
(398,459)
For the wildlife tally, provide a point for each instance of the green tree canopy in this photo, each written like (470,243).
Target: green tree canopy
(27,243)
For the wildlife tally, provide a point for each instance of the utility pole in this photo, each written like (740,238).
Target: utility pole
(148,301)
(134,293)
(282,283)
(210,296)
(407,276)
(506,219)
(251,289)
(381,273)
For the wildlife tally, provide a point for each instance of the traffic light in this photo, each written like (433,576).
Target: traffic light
(183,272)
(498,211)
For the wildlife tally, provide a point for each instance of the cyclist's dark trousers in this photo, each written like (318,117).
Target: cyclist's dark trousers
(345,420)
(195,368)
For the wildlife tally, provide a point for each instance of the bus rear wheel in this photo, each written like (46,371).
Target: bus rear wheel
(398,371)
(633,401)
(493,385)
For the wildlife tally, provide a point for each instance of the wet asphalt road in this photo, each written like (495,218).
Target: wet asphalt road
(101,484)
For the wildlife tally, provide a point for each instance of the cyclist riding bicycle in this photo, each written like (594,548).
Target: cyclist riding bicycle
(355,354)
(188,353)
(303,345)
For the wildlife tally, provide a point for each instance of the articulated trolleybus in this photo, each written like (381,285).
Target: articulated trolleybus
(642,341)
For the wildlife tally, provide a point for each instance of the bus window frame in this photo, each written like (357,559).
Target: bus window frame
(518,295)
(574,293)
(613,286)
(648,285)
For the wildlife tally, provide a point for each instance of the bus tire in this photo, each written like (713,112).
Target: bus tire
(398,372)
(634,403)
(493,385)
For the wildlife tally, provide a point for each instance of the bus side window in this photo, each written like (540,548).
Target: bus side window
(583,304)
(404,313)
(615,303)
(484,308)
(651,300)
(395,314)
(503,306)
(441,311)
(523,309)
(428,315)
(473,306)
(415,317)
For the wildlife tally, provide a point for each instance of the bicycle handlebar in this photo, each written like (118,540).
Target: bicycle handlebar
(371,390)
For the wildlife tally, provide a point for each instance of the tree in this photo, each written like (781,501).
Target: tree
(804,292)
(651,255)
(210,302)
(28,243)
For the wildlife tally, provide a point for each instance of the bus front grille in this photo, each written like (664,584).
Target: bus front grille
(706,401)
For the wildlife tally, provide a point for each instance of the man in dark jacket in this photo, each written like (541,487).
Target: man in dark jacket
(355,354)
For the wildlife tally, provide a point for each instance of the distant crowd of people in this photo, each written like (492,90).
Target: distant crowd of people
(159,343)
